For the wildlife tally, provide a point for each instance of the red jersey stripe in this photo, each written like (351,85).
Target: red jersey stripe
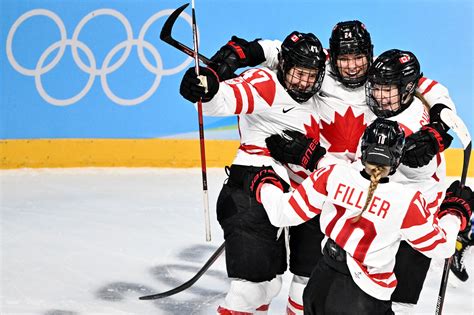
(304,195)
(263,307)
(298,209)
(225,311)
(294,184)
(422,80)
(429,87)
(381,276)
(294,304)
(391,284)
(238,98)
(435,202)
(254,149)
(300,174)
(430,247)
(424,238)
(249,97)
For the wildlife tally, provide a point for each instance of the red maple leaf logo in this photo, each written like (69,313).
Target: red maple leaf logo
(312,130)
(345,132)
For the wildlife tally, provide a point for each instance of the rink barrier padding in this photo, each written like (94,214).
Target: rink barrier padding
(180,153)
(114,153)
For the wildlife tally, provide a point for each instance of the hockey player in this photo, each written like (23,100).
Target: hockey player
(364,228)
(341,105)
(266,102)
(390,92)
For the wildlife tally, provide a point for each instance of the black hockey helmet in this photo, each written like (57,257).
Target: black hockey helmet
(302,50)
(392,68)
(350,37)
(383,142)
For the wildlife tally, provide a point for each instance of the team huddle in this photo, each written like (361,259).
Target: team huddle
(340,169)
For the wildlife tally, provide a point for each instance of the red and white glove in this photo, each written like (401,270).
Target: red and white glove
(266,176)
(458,201)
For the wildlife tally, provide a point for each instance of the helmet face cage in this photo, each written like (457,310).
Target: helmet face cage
(383,144)
(350,38)
(392,82)
(301,65)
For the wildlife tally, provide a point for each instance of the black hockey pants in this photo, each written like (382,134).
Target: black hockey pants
(305,247)
(252,249)
(331,290)
(411,268)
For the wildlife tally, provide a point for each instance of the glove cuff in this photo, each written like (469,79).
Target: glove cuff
(237,49)
(457,212)
(436,135)
(310,158)
(268,180)
(457,206)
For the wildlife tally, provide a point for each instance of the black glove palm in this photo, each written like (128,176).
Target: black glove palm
(295,148)
(192,89)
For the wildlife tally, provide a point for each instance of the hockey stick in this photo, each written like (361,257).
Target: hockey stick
(458,126)
(165,35)
(191,281)
(207,221)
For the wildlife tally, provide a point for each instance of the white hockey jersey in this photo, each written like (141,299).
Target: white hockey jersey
(343,112)
(264,108)
(338,193)
(429,179)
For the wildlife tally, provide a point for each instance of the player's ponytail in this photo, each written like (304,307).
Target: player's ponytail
(375,177)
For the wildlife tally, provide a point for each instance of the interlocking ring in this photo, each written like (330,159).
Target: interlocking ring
(92,69)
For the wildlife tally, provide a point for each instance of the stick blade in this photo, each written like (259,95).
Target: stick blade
(165,34)
(457,125)
(465,166)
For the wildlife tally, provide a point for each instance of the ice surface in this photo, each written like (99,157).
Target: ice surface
(91,241)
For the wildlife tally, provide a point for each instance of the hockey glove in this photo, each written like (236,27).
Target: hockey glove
(193,88)
(423,145)
(266,176)
(458,201)
(295,148)
(237,53)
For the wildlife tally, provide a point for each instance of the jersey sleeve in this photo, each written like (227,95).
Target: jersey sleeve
(271,48)
(433,93)
(300,205)
(424,232)
(252,92)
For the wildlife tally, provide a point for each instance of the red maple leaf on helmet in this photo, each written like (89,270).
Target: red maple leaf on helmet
(344,132)
(312,130)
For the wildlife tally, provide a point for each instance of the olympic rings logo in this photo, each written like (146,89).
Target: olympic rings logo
(92,69)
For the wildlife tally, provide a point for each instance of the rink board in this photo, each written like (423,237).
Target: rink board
(138,153)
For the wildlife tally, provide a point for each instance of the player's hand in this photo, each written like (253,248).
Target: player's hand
(266,176)
(194,88)
(423,145)
(458,201)
(237,53)
(295,148)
